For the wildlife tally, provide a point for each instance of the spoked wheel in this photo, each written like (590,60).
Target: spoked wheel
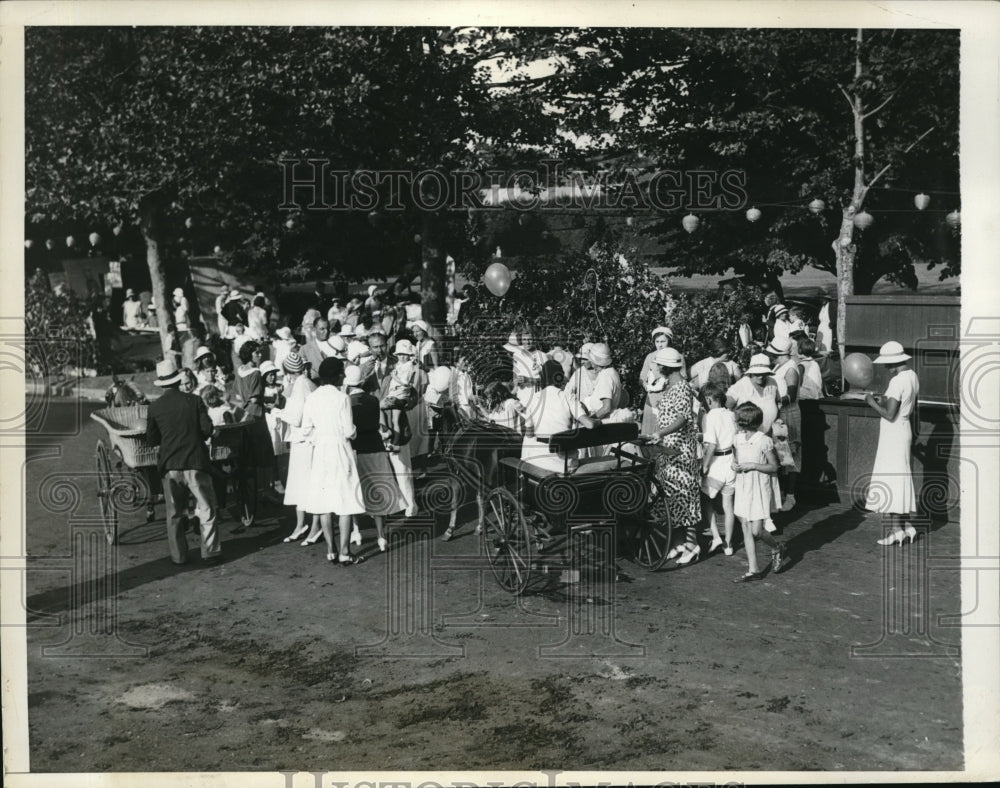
(507,541)
(655,529)
(109,515)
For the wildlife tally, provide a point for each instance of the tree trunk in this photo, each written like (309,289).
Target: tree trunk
(151,222)
(432,270)
(845,252)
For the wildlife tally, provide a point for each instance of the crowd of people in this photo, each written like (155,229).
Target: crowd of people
(336,413)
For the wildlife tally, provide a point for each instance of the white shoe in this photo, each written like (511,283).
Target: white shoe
(727,550)
(789,503)
(769,526)
(382,543)
(690,554)
(356,537)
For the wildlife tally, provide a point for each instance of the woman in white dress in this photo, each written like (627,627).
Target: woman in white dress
(890,490)
(427,355)
(548,412)
(651,381)
(334,483)
(299,387)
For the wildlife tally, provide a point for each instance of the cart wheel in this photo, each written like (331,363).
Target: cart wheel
(109,515)
(506,540)
(655,529)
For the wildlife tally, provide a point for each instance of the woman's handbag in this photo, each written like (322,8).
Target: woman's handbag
(779,436)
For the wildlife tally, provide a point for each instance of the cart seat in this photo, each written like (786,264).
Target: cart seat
(588,467)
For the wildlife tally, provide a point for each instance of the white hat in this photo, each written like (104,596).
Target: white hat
(584,351)
(201,353)
(178,291)
(422,325)
(891,353)
(352,375)
(404,347)
(662,330)
(780,346)
(668,357)
(284,332)
(268,366)
(513,343)
(347,330)
(337,343)
(760,364)
(361,332)
(129,293)
(167,373)
(235,295)
(600,355)
(779,309)
(371,290)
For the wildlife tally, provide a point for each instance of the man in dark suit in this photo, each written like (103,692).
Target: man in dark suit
(179,424)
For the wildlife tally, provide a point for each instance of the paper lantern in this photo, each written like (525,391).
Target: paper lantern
(418,238)
(290,224)
(817,206)
(921,201)
(217,250)
(498,279)
(753,214)
(690,222)
(28,243)
(630,221)
(859,370)
(954,219)
(863,220)
(117,230)
(70,240)
(94,239)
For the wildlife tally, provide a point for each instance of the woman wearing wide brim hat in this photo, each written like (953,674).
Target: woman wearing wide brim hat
(890,490)
(678,468)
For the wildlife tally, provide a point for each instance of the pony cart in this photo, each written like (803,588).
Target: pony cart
(126,463)
(531,520)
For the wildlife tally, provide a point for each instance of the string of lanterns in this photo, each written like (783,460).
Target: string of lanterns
(862,220)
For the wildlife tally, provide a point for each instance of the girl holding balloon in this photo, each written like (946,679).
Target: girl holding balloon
(890,491)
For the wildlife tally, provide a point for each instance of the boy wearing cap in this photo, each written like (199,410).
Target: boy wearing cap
(179,424)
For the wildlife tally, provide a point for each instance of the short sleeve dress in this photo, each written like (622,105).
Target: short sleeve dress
(299,449)
(757,493)
(767,400)
(334,483)
(890,490)
(680,474)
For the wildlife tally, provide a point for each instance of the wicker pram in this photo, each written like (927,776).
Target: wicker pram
(126,427)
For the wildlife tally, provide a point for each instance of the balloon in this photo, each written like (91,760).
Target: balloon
(498,279)
(859,370)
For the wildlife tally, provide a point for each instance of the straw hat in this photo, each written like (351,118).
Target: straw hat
(352,376)
(167,373)
(779,346)
(668,357)
(235,295)
(760,364)
(662,330)
(347,330)
(404,347)
(201,353)
(360,332)
(337,343)
(600,355)
(891,353)
(293,363)
(284,333)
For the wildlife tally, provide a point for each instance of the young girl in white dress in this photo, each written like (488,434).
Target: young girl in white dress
(757,492)
(718,483)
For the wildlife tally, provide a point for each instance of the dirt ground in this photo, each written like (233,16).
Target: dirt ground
(278,660)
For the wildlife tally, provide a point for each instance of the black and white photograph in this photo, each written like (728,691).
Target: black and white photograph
(460,394)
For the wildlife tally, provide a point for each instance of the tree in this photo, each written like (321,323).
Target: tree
(770,104)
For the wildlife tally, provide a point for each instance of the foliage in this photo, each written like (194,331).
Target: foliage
(555,297)
(769,103)
(57,328)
